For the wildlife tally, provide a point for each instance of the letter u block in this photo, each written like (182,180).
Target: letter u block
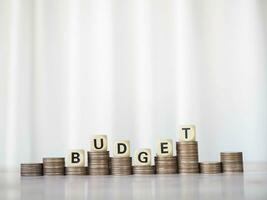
(187,133)
(142,157)
(165,148)
(121,148)
(98,143)
(75,158)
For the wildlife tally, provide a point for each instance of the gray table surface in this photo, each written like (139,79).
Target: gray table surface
(250,185)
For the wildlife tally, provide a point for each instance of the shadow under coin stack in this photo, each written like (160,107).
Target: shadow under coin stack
(121,166)
(232,162)
(210,167)
(166,164)
(187,154)
(31,169)
(54,166)
(98,163)
(78,171)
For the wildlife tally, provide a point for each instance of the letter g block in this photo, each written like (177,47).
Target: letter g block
(142,157)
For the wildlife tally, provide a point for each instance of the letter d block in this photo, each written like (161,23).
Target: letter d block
(165,148)
(142,157)
(187,133)
(99,143)
(76,158)
(121,149)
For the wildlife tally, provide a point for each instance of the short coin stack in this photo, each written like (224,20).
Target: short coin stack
(121,166)
(187,153)
(166,164)
(98,163)
(210,167)
(54,166)
(31,169)
(232,161)
(142,170)
(76,171)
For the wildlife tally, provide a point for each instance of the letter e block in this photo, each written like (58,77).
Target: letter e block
(165,148)
(187,133)
(99,143)
(142,157)
(121,148)
(75,158)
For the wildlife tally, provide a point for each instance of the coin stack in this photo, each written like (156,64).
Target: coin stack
(76,170)
(210,167)
(121,166)
(98,163)
(166,164)
(187,153)
(232,161)
(31,169)
(53,166)
(145,169)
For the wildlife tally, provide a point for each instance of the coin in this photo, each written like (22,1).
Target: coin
(232,162)
(121,166)
(31,169)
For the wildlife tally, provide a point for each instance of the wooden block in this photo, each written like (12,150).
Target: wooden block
(75,158)
(187,133)
(142,157)
(165,148)
(98,143)
(122,148)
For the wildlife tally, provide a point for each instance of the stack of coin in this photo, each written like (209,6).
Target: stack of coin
(166,164)
(187,153)
(76,170)
(53,166)
(98,163)
(232,161)
(121,166)
(31,169)
(145,169)
(210,167)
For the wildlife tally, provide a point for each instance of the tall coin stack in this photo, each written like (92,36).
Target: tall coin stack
(210,167)
(31,169)
(232,161)
(187,153)
(166,164)
(54,166)
(98,163)
(121,166)
(76,171)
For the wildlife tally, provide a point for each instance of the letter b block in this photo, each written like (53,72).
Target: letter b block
(165,148)
(76,158)
(121,148)
(142,157)
(99,143)
(187,133)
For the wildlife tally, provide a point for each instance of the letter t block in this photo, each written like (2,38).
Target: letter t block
(187,133)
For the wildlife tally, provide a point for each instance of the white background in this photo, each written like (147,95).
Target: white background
(134,69)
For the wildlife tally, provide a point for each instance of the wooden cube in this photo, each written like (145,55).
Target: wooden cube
(98,143)
(121,148)
(165,147)
(75,158)
(187,133)
(142,157)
